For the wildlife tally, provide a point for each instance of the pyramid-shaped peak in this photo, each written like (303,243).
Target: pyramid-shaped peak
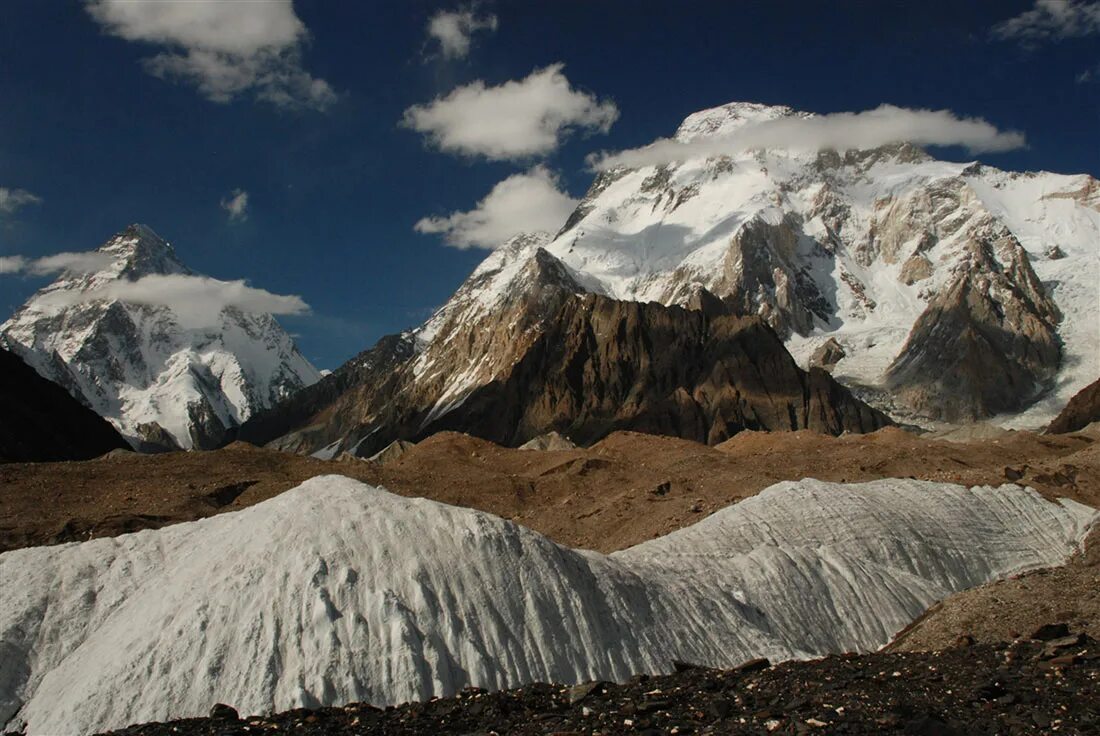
(142,252)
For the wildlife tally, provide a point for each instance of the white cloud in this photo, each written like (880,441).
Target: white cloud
(521,203)
(197,301)
(1051,20)
(224,48)
(82,262)
(514,120)
(15,199)
(454,29)
(236,204)
(843,130)
(12,264)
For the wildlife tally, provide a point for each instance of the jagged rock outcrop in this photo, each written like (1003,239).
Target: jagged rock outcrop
(40,421)
(828,354)
(163,381)
(989,341)
(549,442)
(603,365)
(523,350)
(1082,410)
(392,452)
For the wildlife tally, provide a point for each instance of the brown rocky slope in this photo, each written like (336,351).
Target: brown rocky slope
(625,489)
(1082,410)
(594,366)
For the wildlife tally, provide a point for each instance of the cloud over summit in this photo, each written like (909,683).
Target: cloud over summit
(870,129)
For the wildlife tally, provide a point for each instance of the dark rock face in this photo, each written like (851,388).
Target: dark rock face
(1083,409)
(594,365)
(40,421)
(987,344)
(604,365)
(315,414)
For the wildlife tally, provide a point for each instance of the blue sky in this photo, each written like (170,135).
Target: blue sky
(96,136)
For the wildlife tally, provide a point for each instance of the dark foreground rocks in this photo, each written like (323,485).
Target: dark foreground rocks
(40,421)
(1047,685)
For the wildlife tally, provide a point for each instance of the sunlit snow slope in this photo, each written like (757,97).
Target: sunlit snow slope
(162,382)
(336,591)
(957,291)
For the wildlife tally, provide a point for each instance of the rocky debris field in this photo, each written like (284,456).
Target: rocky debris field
(625,489)
(1047,683)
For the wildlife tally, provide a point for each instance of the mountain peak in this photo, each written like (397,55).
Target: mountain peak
(134,360)
(138,251)
(725,119)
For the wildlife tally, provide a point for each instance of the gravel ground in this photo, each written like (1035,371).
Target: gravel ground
(626,489)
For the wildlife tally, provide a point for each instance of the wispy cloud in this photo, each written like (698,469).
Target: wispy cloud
(236,204)
(12,264)
(80,262)
(1089,75)
(196,301)
(454,30)
(515,120)
(841,131)
(1051,20)
(225,49)
(12,200)
(521,203)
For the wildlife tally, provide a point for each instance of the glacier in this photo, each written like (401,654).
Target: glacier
(336,591)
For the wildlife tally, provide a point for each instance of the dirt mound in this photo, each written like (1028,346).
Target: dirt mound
(48,503)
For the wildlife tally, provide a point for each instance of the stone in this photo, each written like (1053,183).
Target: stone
(223,712)
(828,354)
(1050,632)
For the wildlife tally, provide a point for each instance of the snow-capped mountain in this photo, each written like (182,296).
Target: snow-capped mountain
(344,607)
(956,291)
(935,291)
(523,349)
(163,382)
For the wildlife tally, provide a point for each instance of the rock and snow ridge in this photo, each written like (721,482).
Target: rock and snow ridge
(956,291)
(162,383)
(318,596)
(859,247)
(946,292)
